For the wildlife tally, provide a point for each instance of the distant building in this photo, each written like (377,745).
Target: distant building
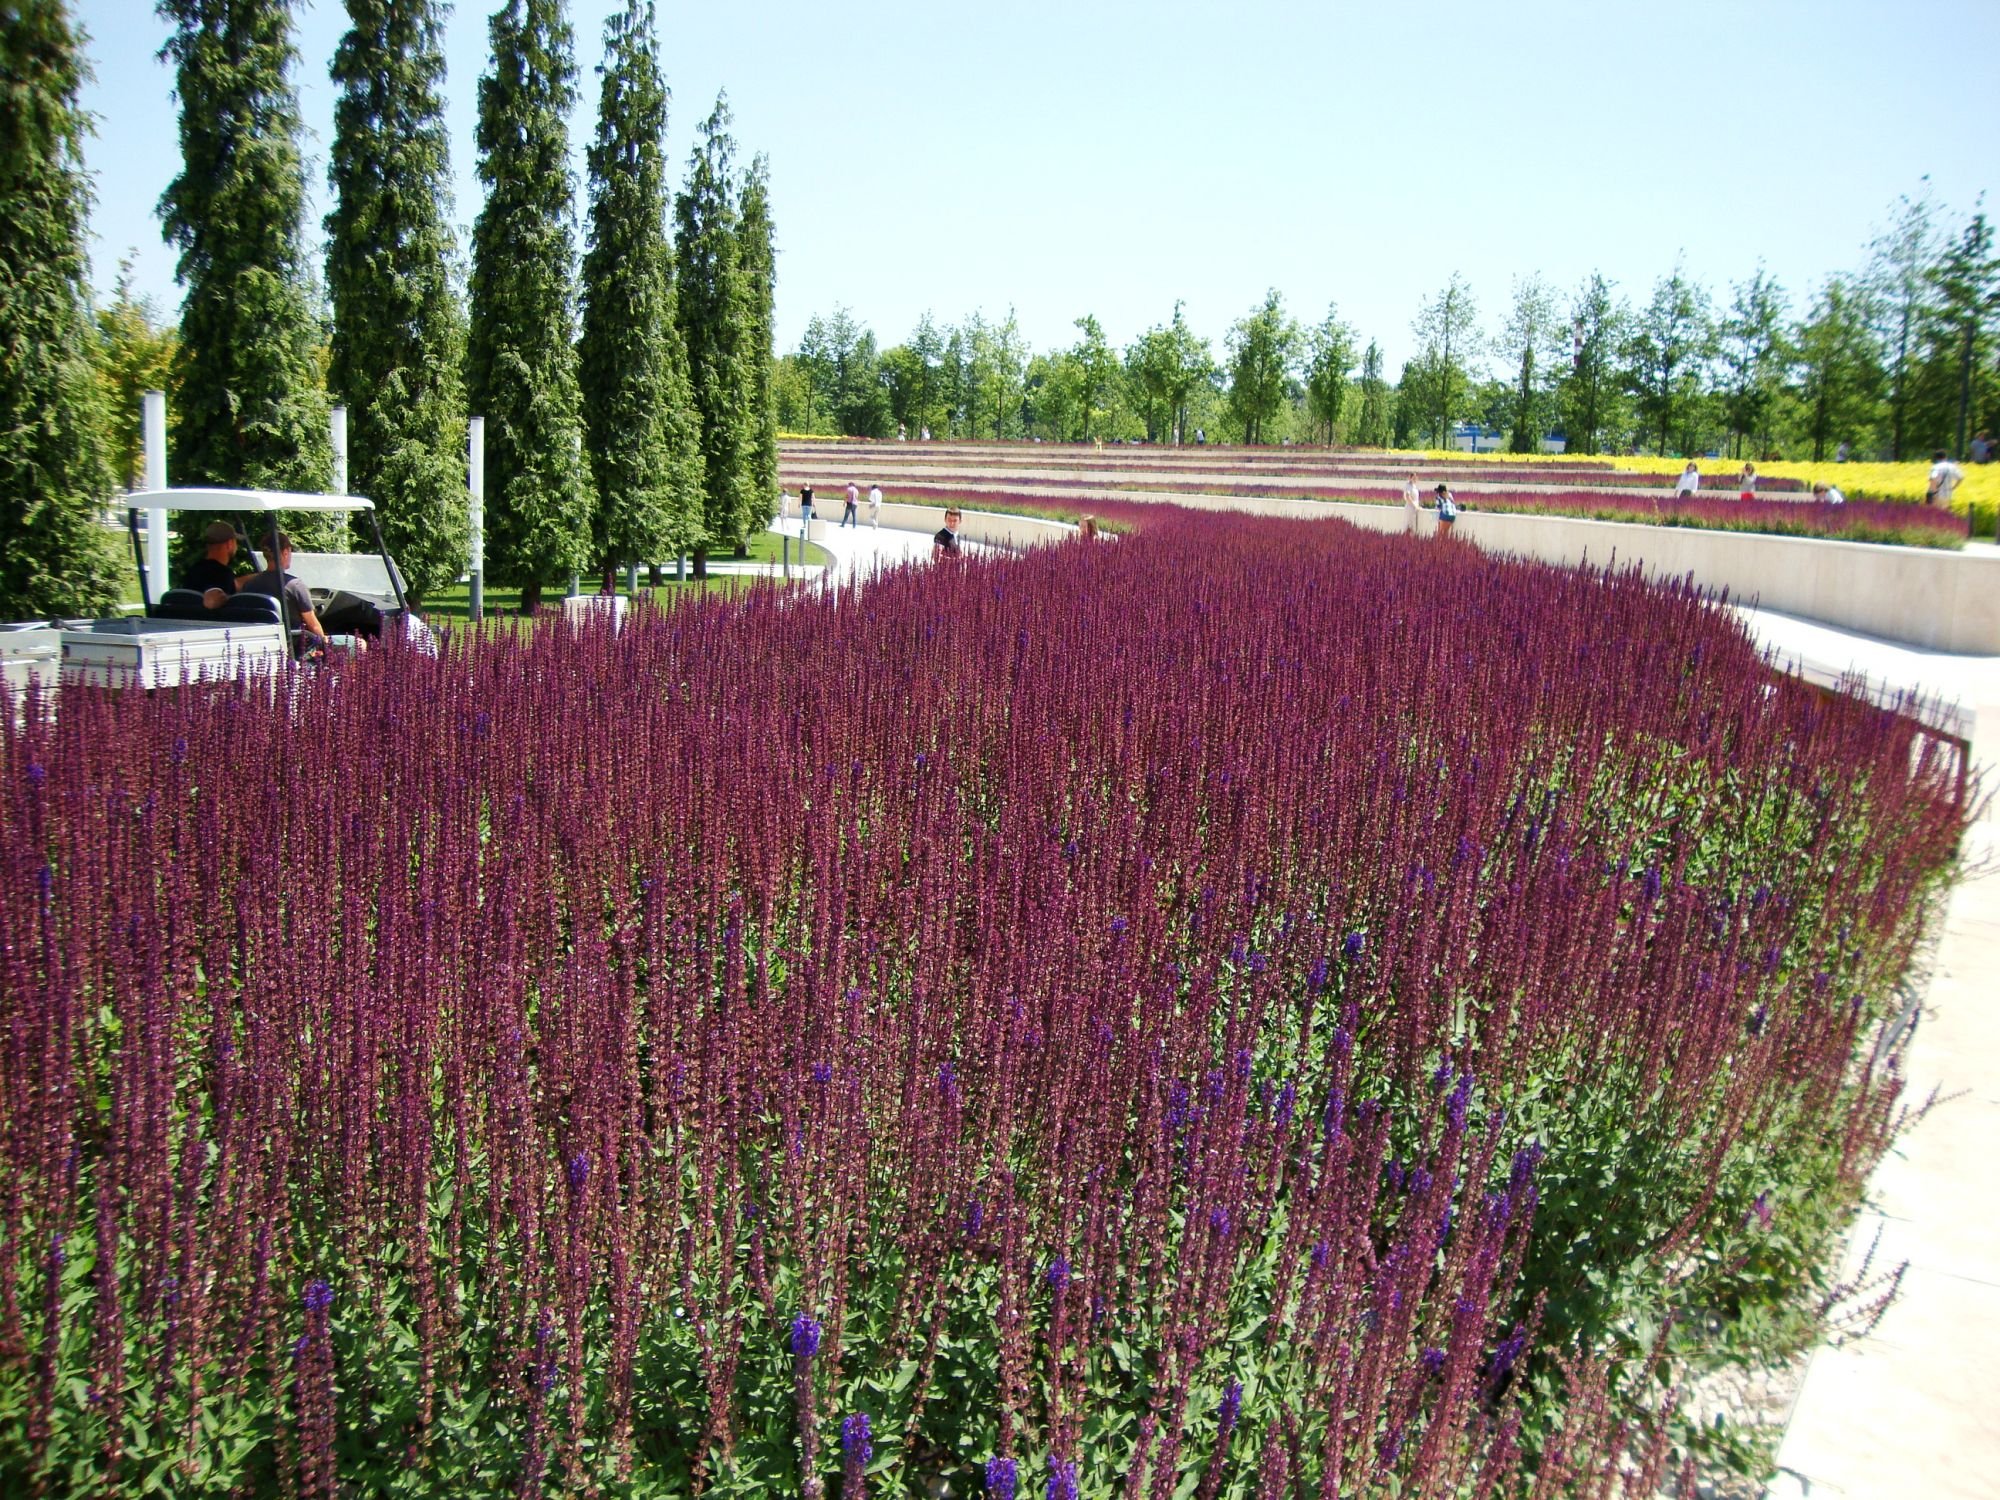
(1477,437)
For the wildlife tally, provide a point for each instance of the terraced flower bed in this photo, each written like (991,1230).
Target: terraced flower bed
(1856,521)
(1255,1008)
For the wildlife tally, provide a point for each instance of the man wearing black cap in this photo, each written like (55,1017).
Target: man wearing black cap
(212,571)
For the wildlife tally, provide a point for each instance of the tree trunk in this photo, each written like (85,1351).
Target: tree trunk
(656,575)
(531,596)
(701,561)
(1964,389)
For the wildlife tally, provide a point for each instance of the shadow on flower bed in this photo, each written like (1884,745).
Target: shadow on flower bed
(1254,1008)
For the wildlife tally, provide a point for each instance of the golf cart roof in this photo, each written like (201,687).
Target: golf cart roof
(262,502)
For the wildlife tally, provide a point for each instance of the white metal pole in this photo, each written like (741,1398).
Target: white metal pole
(153,407)
(340,450)
(475,469)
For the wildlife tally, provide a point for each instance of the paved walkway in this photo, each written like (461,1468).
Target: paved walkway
(1914,1410)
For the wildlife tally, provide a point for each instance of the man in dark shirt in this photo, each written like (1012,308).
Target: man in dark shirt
(211,574)
(945,543)
(298,598)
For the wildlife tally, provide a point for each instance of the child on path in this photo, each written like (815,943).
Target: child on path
(1747,484)
(1447,507)
(1689,482)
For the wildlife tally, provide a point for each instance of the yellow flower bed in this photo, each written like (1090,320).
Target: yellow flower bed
(1870,481)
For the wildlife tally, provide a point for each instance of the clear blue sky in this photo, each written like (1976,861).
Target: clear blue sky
(1113,157)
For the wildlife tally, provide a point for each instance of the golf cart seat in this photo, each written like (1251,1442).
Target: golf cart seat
(248,609)
(181,604)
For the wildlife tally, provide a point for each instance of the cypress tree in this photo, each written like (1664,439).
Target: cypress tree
(251,411)
(53,463)
(398,330)
(714,307)
(640,429)
(760,272)
(521,371)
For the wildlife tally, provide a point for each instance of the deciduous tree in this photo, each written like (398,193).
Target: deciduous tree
(1966,280)
(1899,280)
(1755,358)
(1528,341)
(53,469)
(1588,394)
(1096,372)
(1263,348)
(1667,354)
(1375,425)
(1329,358)
(1440,377)
(135,354)
(398,343)
(1840,372)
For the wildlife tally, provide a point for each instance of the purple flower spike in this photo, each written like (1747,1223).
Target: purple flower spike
(1062,1478)
(579,1170)
(857,1439)
(1000,1478)
(805,1336)
(1352,945)
(1059,1272)
(1230,1406)
(319,1295)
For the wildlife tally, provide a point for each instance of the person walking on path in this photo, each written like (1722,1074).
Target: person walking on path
(851,516)
(1447,507)
(1412,506)
(1747,484)
(1944,480)
(805,508)
(875,506)
(1689,484)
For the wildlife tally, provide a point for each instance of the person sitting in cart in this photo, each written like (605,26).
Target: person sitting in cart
(276,582)
(213,574)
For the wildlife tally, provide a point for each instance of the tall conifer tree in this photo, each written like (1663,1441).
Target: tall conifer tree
(521,371)
(251,410)
(398,330)
(53,466)
(714,305)
(760,274)
(640,429)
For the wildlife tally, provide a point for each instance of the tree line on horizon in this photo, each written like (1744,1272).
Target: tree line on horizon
(627,391)
(1895,360)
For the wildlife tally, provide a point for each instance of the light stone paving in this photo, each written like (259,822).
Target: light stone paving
(1914,1410)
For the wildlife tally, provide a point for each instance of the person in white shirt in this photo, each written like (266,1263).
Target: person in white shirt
(1827,494)
(1944,479)
(1688,483)
(1747,483)
(1412,507)
(875,505)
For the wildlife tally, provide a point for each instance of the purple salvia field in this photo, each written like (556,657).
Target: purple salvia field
(1213,1009)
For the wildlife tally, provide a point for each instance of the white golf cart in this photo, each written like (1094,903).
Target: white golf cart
(179,638)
